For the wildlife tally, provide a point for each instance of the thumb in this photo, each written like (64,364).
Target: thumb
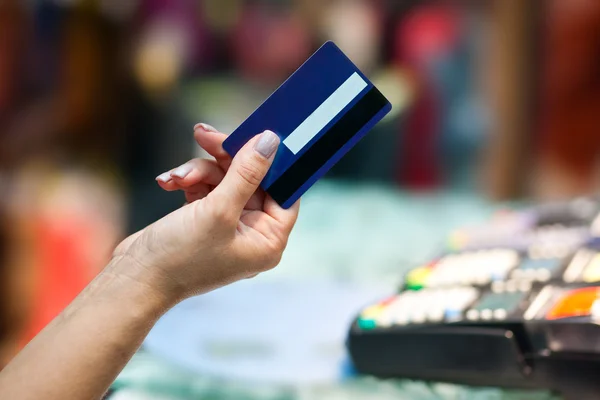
(247,170)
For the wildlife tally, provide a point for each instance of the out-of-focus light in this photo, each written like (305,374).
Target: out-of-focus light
(427,32)
(221,15)
(355,28)
(66,3)
(595,228)
(575,303)
(269,45)
(120,10)
(159,58)
(12,34)
(397,87)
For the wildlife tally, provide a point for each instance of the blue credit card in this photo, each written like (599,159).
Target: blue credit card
(320,112)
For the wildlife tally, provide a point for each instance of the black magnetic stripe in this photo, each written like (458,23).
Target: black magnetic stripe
(333,140)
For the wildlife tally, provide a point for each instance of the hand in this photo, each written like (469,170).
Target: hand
(229,230)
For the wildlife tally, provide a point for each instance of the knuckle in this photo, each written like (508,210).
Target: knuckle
(267,265)
(275,260)
(279,246)
(266,258)
(278,239)
(281,235)
(204,167)
(273,257)
(251,171)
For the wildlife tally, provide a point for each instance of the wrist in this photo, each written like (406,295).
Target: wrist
(123,280)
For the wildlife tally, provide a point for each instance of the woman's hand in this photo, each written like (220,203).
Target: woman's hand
(229,230)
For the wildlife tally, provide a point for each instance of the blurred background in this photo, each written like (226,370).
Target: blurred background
(493,101)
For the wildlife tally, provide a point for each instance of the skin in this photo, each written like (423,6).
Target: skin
(229,230)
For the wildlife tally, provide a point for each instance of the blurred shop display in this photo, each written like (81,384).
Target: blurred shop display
(446,125)
(269,43)
(64,225)
(569,140)
(69,159)
(5,315)
(491,99)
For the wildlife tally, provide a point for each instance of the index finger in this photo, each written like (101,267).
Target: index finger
(212,140)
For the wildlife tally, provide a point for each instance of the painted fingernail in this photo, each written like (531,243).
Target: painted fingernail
(206,127)
(164,177)
(182,171)
(267,143)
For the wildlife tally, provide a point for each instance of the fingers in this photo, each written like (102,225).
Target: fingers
(165,181)
(197,170)
(284,218)
(195,176)
(198,176)
(275,223)
(211,140)
(248,168)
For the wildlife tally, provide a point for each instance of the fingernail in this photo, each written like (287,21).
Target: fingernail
(164,177)
(267,143)
(182,171)
(206,127)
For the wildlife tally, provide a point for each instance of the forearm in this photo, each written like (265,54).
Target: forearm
(82,351)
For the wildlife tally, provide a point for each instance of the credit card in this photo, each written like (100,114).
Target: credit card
(320,112)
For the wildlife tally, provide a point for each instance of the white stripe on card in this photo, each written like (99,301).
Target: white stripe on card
(327,111)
